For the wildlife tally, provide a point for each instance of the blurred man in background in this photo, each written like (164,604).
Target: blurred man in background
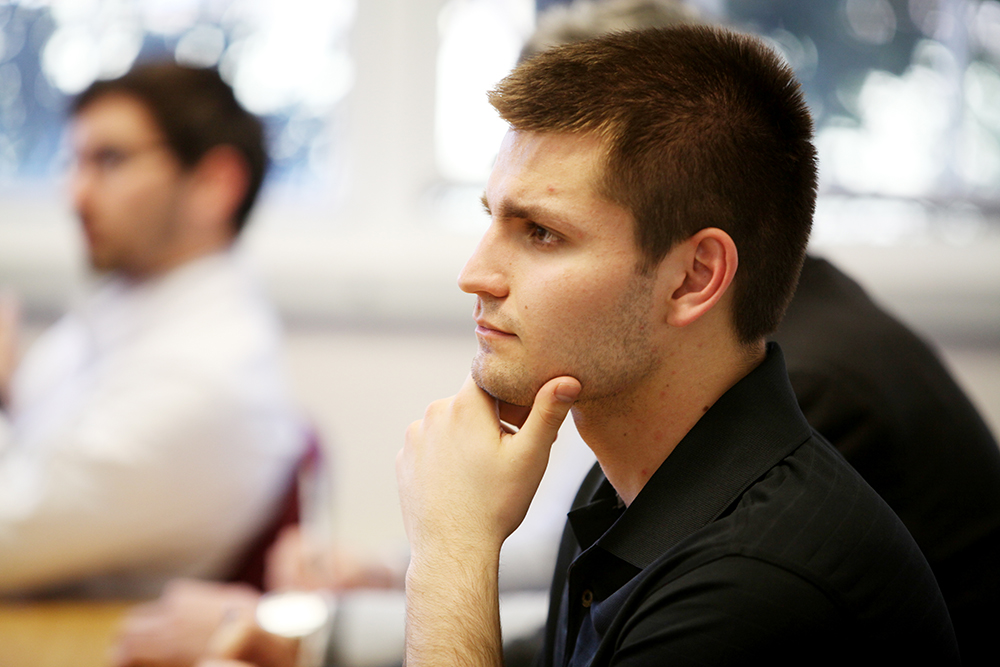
(149,433)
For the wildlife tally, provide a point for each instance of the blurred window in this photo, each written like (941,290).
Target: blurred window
(905,95)
(287,62)
(480,42)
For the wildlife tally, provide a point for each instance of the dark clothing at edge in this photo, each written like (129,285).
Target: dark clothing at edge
(754,543)
(882,396)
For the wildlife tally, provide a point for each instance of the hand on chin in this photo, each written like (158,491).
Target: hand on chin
(515,415)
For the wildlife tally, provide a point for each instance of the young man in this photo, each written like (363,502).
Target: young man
(150,430)
(873,388)
(650,209)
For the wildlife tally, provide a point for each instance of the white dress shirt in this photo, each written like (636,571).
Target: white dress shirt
(149,435)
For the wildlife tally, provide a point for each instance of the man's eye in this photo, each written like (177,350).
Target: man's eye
(109,158)
(541,234)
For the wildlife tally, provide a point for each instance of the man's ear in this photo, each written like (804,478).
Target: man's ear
(701,269)
(220,181)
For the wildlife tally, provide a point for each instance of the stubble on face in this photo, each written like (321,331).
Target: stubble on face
(609,352)
(138,251)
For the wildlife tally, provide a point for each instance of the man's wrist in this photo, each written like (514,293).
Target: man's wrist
(453,561)
(452,608)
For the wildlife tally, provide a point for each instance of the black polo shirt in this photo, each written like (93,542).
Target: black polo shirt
(754,542)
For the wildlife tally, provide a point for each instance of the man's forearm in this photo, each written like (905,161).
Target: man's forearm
(465,483)
(453,611)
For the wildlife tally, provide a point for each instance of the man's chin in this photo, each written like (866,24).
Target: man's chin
(505,388)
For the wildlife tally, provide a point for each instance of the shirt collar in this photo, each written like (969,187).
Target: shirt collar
(752,427)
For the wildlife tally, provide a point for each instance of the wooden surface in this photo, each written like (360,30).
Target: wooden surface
(59,633)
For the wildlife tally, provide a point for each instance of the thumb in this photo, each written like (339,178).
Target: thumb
(552,403)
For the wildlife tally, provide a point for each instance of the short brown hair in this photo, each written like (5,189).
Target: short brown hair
(196,110)
(704,127)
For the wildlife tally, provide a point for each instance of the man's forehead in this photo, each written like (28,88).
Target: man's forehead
(533,167)
(519,143)
(114,118)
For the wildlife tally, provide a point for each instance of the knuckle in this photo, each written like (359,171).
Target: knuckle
(437,407)
(412,431)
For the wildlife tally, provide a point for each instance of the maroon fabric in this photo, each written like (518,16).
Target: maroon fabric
(250,568)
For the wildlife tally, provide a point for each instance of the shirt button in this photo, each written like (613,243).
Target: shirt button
(588,597)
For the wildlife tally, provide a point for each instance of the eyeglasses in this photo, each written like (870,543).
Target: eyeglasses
(107,160)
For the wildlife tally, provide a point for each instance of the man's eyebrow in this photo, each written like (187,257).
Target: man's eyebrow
(508,210)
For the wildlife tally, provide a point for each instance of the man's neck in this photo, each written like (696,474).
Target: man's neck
(633,434)
(176,258)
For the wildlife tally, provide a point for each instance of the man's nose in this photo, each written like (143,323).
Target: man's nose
(80,186)
(486,271)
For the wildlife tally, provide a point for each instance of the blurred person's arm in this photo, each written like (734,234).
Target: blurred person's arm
(296,562)
(175,630)
(158,472)
(240,642)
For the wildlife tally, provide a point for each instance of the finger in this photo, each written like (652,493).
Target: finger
(475,394)
(232,638)
(244,640)
(552,403)
(513,414)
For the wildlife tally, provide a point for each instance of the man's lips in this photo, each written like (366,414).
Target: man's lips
(487,329)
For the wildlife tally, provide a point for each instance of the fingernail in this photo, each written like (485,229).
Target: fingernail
(567,392)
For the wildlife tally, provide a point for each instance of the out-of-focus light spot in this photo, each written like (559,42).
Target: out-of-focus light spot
(982,93)
(933,55)
(71,59)
(985,26)
(119,46)
(871,21)
(900,145)
(978,158)
(847,91)
(919,9)
(293,614)
(201,46)
(13,36)
(169,17)
(10,84)
(284,61)
(270,74)
(69,12)
(326,82)
(800,54)
(481,40)
(868,220)
(931,19)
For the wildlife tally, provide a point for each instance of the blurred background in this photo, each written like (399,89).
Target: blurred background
(382,140)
